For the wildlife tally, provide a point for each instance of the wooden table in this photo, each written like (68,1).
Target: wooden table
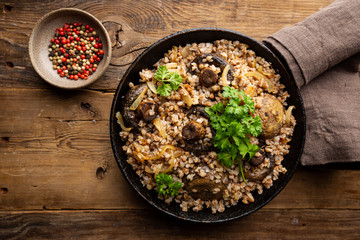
(58,176)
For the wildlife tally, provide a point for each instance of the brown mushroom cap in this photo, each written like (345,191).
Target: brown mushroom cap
(148,110)
(130,116)
(208,77)
(256,174)
(271,114)
(257,160)
(217,61)
(198,146)
(193,131)
(197,110)
(205,189)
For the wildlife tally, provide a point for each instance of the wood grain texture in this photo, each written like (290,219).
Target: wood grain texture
(139,224)
(58,176)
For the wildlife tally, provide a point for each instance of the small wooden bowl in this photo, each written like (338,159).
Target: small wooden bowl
(45,30)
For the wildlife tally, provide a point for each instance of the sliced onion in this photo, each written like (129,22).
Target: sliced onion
(260,70)
(288,115)
(160,127)
(174,54)
(259,76)
(185,52)
(138,100)
(121,122)
(250,91)
(141,157)
(171,147)
(186,97)
(152,87)
(271,86)
(172,163)
(224,75)
(156,171)
(171,65)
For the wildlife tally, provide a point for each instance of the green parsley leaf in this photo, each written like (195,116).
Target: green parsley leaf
(255,128)
(233,151)
(230,92)
(175,80)
(243,149)
(252,150)
(170,81)
(225,159)
(164,89)
(217,108)
(162,73)
(232,124)
(166,185)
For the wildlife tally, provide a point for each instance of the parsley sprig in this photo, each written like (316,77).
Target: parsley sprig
(166,185)
(170,81)
(232,123)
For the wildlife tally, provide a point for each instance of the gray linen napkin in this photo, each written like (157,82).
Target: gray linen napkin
(323,54)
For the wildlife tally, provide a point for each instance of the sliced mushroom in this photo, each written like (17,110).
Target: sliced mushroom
(257,174)
(259,157)
(198,146)
(271,113)
(148,110)
(208,77)
(131,117)
(217,61)
(197,110)
(193,131)
(205,189)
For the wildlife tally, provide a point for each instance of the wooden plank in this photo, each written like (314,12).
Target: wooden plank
(137,27)
(264,224)
(55,152)
(52,144)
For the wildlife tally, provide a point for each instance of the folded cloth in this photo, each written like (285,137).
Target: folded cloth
(323,54)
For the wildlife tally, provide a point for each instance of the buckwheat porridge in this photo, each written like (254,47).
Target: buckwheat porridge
(207,126)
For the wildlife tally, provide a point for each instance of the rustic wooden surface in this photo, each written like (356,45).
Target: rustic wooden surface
(58,176)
